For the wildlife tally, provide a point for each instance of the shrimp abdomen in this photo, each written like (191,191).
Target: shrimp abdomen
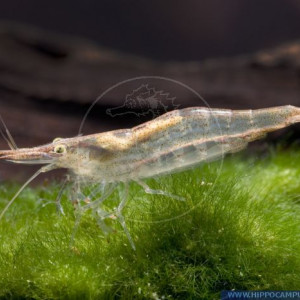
(202,134)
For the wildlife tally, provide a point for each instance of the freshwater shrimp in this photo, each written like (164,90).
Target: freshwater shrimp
(175,141)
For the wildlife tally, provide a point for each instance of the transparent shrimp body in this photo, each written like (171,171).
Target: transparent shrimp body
(174,141)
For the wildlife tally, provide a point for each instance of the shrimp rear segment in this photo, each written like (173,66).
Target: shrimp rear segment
(196,135)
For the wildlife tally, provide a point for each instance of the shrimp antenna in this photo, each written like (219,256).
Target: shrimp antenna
(41,170)
(9,139)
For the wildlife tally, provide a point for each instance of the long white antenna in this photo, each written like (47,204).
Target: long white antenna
(9,139)
(41,170)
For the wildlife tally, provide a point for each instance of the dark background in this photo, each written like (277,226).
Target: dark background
(166,30)
(57,57)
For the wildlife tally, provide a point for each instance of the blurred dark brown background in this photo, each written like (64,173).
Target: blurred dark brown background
(57,57)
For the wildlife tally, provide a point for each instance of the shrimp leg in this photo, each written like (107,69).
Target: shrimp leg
(107,191)
(119,215)
(59,195)
(99,213)
(148,190)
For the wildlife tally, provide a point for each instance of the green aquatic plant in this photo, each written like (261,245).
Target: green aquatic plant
(239,228)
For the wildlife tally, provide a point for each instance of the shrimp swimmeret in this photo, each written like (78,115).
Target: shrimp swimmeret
(177,140)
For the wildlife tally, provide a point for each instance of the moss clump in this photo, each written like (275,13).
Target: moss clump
(239,229)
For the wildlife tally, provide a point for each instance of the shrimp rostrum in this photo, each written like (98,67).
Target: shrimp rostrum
(175,141)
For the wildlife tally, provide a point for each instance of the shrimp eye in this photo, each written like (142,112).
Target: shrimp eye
(57,139)
(60,149)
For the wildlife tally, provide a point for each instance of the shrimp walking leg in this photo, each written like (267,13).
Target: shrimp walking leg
(119,215)
(59,195)
(98,212)
(100,216)
(107,191)
(148,190)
